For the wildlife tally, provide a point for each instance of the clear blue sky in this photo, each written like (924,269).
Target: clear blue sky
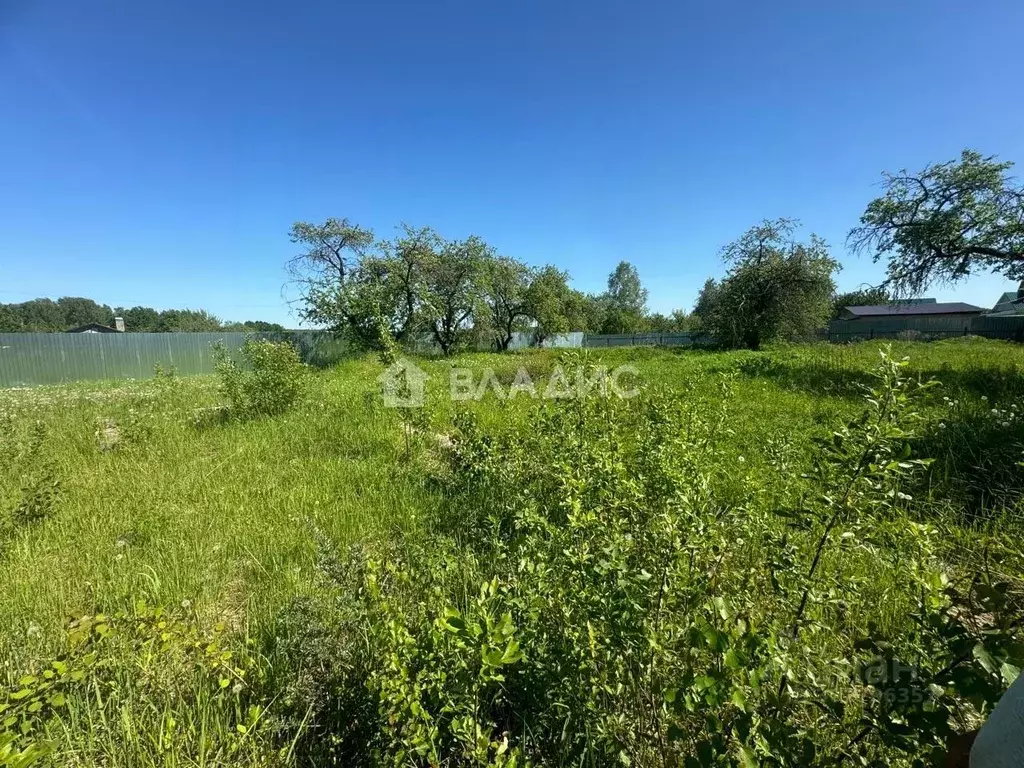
(157,152)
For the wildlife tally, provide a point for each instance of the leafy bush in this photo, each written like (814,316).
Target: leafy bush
(608,587)
(40,483)
(269,380)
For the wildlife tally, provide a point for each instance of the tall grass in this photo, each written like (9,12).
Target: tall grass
(217,522)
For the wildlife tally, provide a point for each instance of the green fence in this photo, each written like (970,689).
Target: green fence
(926,328)
(30,359)
(645,339)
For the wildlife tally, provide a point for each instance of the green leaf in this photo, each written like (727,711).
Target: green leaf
(454,624)
(724,607)
(493,658)
(511,654)
(984,658)
(702,683)
(739,700)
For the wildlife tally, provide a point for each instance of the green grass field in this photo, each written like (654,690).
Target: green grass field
(119,494)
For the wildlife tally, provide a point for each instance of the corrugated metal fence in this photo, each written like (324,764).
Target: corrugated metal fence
(29,359)
(645,339)
(926,328)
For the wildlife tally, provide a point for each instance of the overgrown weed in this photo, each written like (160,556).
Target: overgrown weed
(741,565)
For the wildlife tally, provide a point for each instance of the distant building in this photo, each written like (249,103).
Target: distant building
(1009,304)
(932,309)
(99,327)
(923,315)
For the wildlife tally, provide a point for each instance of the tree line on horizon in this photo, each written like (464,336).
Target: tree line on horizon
(463,293)
(935,226)
(456,292)
(938,225)
(48,316)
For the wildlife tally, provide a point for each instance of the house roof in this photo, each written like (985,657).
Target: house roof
(1007,298)
(1009,303)
(883,310)
(1014,308)
(92,328)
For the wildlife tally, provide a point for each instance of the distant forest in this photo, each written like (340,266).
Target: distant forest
(49,316)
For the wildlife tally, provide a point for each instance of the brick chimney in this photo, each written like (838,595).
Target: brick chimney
(119,324)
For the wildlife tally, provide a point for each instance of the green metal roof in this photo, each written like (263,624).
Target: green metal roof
(1008,304)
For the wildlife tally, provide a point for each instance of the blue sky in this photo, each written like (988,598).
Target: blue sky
(157,152)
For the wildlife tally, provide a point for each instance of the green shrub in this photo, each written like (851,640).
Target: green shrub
(40,483)
(269,380)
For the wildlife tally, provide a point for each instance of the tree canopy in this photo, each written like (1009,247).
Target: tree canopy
(945,222)
(49,316)
(862,297)
(506,283)
(776,288)
(552,305)
(624,304)
(451,291)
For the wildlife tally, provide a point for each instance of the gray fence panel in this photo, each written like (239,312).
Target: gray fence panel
(30,359)
(926,328)
(643,339)
(525,340)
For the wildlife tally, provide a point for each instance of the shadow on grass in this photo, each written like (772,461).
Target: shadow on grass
(977,456)
(838,376)
(825,375)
